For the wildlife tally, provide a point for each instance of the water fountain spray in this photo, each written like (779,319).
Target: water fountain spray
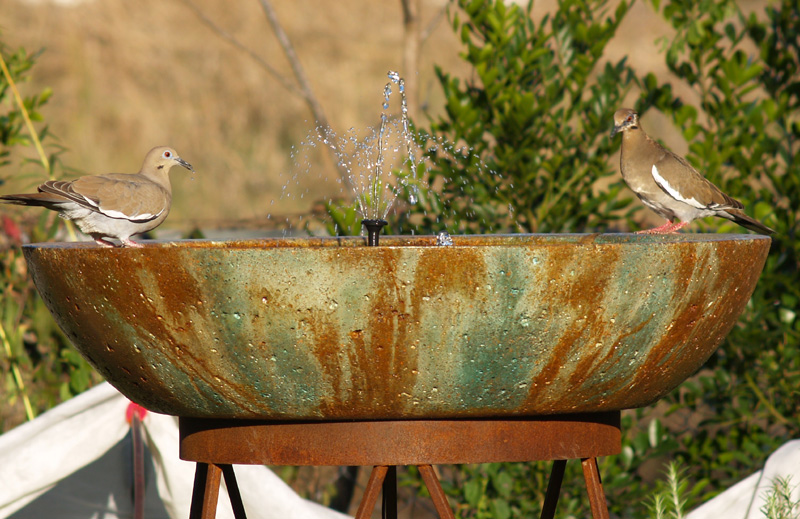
(374,225)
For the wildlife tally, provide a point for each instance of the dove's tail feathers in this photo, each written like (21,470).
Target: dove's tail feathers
(745,221)
(34,199)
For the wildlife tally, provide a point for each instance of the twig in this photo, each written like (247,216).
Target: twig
(18,98)
(305,86)
(411,45)
(303,91)
(29,414)
(435,21)
(294,62)
(763,399)
(283,80)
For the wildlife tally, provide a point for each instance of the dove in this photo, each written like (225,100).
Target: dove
(668,184)
(114,205)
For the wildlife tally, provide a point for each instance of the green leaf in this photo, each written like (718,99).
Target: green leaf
(473,491)
(500,509)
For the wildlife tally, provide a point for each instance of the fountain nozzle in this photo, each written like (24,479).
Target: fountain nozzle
(373,230)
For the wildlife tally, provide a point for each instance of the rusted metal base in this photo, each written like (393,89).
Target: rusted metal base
(218,444)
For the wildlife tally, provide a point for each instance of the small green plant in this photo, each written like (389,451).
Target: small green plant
(670,498)
(779,501)
(669,502)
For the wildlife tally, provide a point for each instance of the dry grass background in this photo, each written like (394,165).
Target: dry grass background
(131,75)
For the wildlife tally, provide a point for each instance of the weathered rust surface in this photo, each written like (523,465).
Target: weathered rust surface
(329,329)
(400,442)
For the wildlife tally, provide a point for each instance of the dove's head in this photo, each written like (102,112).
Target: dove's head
(625,119)
(161,159)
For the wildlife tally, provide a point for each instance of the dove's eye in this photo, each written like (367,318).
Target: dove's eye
(167,154)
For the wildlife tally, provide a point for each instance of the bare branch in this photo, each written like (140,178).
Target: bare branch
(305,85)
(283,80)
(411,40)
(303,91)
(294,61)
(435,21)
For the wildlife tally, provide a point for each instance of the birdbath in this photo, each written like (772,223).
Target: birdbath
(399,350)
(330,330)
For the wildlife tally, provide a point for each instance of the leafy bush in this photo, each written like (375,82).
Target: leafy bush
(534,118)
(39,366)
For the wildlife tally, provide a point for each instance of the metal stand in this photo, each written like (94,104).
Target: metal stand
(216,445)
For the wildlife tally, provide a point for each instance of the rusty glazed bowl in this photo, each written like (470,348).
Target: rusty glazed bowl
(329,329)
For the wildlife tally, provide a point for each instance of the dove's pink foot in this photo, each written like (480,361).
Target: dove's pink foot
(104,243)
(127,242)
(667,228)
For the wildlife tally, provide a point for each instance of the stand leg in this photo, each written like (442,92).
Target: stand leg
(233,492)
(597,499)
(437,493)
(371,493)
(553,489)
(206,491)
(389,505)
(138,467)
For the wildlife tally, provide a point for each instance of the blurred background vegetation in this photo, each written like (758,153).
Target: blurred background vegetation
(529,89)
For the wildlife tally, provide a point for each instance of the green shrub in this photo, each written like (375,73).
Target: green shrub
(39,366)
(534,119)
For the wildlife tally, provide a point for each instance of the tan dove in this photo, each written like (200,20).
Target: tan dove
(669,185)
(116,205)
